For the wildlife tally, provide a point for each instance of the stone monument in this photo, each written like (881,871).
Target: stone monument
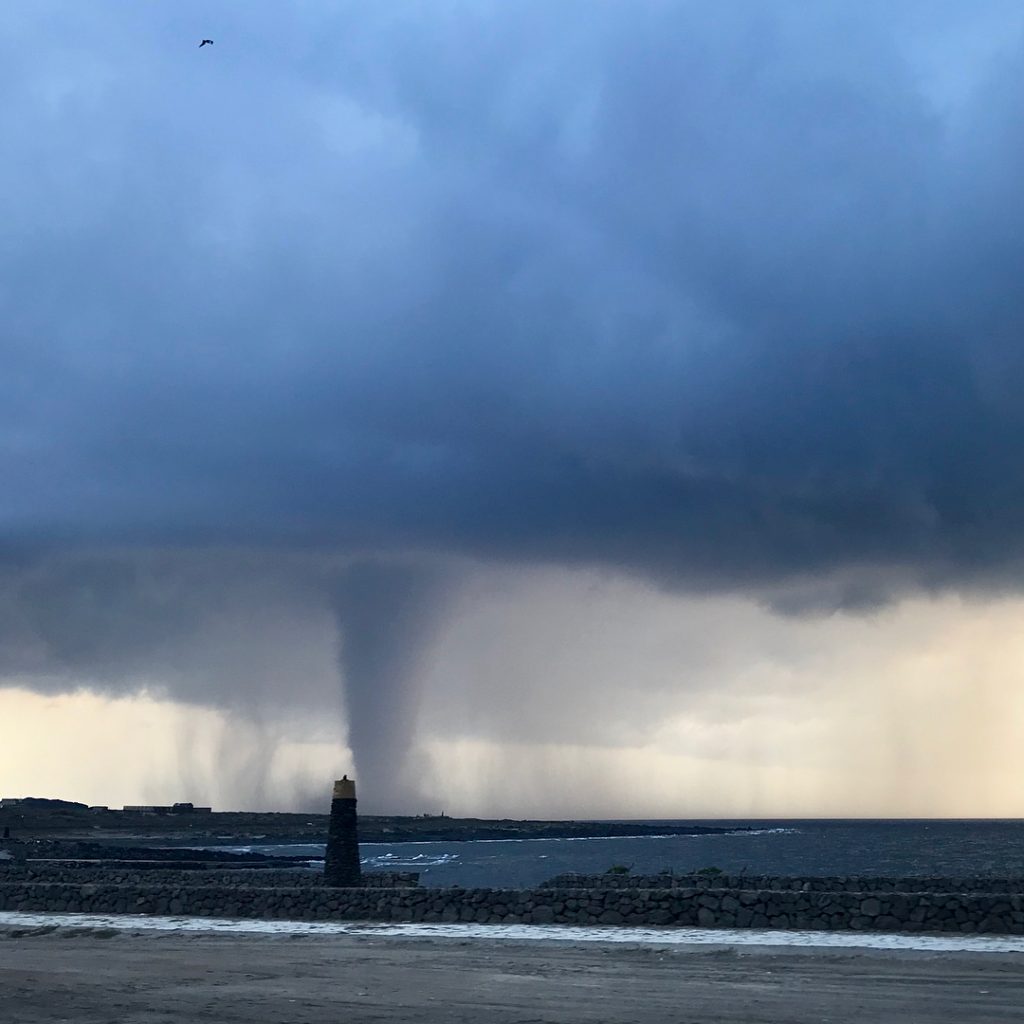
(341,864)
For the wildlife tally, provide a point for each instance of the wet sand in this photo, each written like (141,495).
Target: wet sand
(118,976)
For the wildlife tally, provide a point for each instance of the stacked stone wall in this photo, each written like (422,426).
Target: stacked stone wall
(783,908)
(259,878)
(832,883)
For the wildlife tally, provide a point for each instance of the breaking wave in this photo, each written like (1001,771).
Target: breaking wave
(390,861)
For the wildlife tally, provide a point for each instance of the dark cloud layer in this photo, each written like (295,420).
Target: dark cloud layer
(727,295)
(717,292)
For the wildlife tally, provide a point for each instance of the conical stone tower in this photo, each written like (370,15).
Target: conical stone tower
(341,864)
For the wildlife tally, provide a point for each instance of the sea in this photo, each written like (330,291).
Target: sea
(888,848)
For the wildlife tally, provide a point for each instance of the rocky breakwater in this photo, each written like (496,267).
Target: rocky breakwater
(711,878)
(678,906)
(122,875)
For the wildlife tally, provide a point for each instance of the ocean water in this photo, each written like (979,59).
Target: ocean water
(964,848)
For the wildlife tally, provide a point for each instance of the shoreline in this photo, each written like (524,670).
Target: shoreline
(246,840)
(320,979)
(171,835)
(781,904)
(30,924)
(75,832)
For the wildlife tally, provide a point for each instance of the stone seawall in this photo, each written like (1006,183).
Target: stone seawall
(262,878)
(999,913)
(819,883)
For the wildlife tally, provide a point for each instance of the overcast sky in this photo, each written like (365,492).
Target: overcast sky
(427,389)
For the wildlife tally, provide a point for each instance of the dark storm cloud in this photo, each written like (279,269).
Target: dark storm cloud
(727,295)
(720,292)
(232,629)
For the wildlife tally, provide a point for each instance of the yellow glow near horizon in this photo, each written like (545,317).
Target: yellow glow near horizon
(135,750)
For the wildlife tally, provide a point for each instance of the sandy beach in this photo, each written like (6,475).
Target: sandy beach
(107,975)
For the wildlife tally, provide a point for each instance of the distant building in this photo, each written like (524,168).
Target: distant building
(184,808)
(10,801)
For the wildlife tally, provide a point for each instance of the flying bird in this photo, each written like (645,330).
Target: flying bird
(206,42)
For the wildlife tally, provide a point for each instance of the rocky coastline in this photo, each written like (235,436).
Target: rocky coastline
(131,863)
(966,906)
(63,821)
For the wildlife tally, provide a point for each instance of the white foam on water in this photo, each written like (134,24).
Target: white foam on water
(12,919)
(416,860)
(614,839)
(263,848)
(767,832)
(585,839)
